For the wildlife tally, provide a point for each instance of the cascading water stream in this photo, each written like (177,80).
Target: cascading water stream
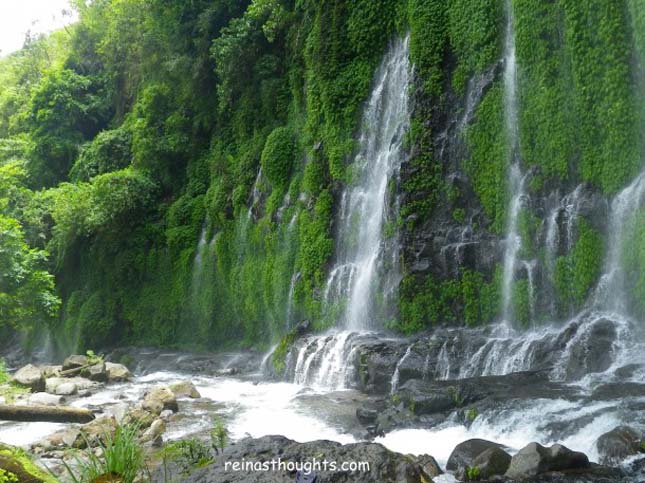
(517,180)
(361,250)
(355,277)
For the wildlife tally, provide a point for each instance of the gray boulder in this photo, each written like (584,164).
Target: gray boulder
(117,372)
(535,459)
(75,362)
(97,372)
(385,466)
(30,376)
(185,389)
(618,444)
(492,462)
(464,454)
(158,399)
(45,399)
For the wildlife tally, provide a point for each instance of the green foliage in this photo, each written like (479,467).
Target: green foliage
(20,456)
(219,435)
(425,303)
(487,166)
(188,454)
(4,375)
(577,272)
(93,358)
(8,477)
(121,457)
(472,414)
(108,151)
(278,157)
(473,473)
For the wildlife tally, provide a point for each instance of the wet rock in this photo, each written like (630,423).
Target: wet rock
(51,371)
(384,465)
(75,362)
(61,439)
(160,398)
(492,462)
(592,350)
(139,416)
(429,465)
(156,429)
(30,376)
(45,399)
(96,372)
(464,454)
(117,372)
(65,389)
(535,459)
(618,444)
(91,434)
(71,385)
(185,389)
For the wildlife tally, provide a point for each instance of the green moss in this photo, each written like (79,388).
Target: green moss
(577,272)
(24,468)
(278,156)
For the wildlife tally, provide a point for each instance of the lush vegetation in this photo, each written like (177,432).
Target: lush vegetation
(169,171)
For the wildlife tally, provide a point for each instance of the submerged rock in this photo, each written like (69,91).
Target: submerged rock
(534,459)
(618,444)
(30,376)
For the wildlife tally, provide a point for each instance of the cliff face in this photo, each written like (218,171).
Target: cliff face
(185,163)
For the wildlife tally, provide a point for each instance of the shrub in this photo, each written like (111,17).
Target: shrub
(278,156)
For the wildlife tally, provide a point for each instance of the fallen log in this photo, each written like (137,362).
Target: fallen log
(48,414)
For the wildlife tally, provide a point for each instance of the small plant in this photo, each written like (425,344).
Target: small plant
(121,459)
(4,375)
(473,474)
(188,454)
(642,446)
(7,476)
(219,435)
(93,358)
(472,414)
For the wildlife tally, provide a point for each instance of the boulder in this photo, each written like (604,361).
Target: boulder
(618,444)
(185,389)
(384,465)
(464,454)
(139,416)
(52,371)
(429,465)
(30,376)
(117,372)
(156,429)
(91,434)
(61,439)
(535,459)
(158,399)
(96,372)
(492,462)
(52,385)
(75,362)
(45,399)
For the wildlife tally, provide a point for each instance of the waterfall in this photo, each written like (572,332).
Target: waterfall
(397,371)
(365,261)
(354,280)
(611,294)
(517,180)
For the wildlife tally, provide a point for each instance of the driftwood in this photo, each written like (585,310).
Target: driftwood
(49,414)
